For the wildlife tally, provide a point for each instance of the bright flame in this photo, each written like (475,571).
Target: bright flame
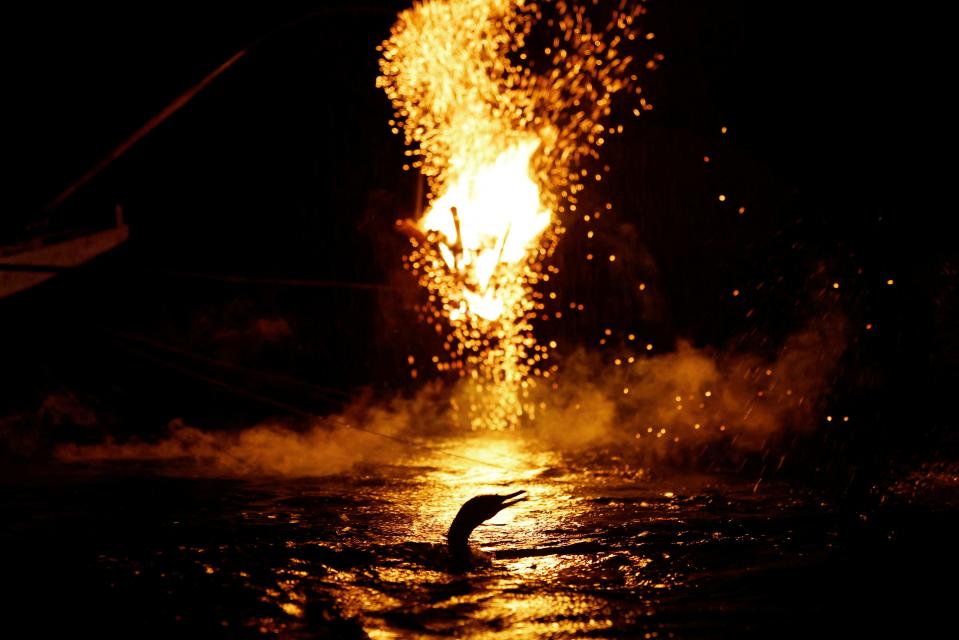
(499,219)
(499,135)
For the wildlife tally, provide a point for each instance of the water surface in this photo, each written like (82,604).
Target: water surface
(602,548)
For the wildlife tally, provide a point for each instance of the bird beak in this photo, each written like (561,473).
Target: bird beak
(512,498)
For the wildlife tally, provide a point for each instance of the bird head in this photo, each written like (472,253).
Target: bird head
(476,511)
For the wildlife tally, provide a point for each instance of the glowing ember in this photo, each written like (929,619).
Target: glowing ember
(500,101)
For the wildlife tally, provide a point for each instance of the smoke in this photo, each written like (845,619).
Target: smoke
(266,449)
(663,406)
(688,397)
(26,434)
(363,433)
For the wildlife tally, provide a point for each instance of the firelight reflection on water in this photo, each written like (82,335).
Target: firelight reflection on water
(541,542)
(597,548)
(602,547)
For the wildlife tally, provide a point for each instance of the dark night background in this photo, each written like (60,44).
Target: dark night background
(285,169)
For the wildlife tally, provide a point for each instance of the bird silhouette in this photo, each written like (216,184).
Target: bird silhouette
(474,512)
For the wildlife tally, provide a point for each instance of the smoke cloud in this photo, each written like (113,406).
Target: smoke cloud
(364,432)
(693,396)
(661,406)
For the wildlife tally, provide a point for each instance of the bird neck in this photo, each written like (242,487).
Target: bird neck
(458,536)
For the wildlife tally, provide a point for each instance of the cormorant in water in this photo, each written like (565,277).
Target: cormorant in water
(473,513)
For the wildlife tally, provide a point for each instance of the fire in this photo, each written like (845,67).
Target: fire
(499,102)
(490,219)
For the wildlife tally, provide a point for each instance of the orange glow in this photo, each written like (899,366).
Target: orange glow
(500,219)
(500,142)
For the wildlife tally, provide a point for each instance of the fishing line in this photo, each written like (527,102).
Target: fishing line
(333,395)
(282,282)
(292,409)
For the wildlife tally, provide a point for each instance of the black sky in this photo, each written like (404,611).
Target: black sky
(284,165)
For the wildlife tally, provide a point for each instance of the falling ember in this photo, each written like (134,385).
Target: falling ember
(499,126)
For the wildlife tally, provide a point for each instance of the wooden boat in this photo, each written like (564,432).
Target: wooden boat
(31,263)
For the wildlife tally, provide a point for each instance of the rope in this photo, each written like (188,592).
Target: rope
(282,282)
(222,364)
(292,409)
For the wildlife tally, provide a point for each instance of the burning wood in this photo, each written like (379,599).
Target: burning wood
(500,141)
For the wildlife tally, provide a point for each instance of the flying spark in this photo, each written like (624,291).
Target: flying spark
(501,103)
